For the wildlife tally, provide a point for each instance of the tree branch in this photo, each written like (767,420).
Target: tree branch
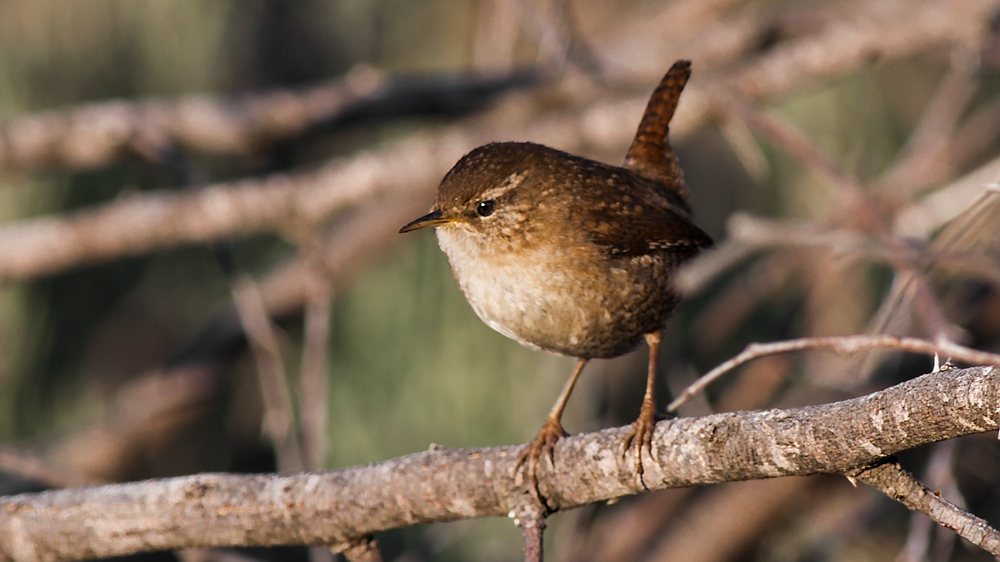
(890,479)
(140,224)
(340,507)
(149,222)
(98,134)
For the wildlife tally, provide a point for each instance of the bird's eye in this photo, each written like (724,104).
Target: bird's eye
(485,208)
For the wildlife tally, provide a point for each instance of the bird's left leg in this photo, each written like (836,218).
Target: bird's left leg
(544,443)
(641,434)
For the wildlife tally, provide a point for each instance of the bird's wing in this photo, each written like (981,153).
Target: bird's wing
(622,230)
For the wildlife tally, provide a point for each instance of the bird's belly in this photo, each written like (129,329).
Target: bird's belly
(601,313)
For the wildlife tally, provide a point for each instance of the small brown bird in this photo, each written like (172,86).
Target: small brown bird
(573,256)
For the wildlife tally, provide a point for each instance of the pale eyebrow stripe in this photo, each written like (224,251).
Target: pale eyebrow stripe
(510,183)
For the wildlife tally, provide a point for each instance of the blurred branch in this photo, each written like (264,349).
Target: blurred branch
(157,406)
(149,222)
(749,234)
(695,275)
(279,415)
(31,467)
(144,415)
(439,485)
(313,384)
(98,134)
(922,218)
(730,519)
(213,555)
(140,224)
(931,137)
(784,134)
(940,161)
(872,31)
(625,533)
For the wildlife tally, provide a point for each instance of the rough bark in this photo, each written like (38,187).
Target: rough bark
(331,508)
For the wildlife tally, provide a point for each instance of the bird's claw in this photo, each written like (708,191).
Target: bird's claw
(542,445)
(640,436)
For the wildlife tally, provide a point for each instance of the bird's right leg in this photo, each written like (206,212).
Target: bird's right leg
(544,443)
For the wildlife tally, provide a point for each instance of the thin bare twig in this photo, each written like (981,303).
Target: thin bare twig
(839,344)
(279,416)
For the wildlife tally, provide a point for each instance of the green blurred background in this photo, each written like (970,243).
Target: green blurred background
(410,364)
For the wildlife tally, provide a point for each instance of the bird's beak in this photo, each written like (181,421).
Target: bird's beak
(432,218)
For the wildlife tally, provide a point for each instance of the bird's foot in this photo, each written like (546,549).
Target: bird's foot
(542,445)
(640,437)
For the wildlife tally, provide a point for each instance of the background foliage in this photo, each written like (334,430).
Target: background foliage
(409,363)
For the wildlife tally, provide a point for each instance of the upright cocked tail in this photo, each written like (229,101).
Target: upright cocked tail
(650,154)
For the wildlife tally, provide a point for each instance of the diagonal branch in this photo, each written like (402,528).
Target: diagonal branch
(439,485)
(890,479)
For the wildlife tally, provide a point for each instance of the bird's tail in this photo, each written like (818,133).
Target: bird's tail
(650,154)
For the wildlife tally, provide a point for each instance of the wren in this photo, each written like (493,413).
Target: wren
(572,256)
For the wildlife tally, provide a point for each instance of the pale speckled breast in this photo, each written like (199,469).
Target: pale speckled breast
(543,301)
